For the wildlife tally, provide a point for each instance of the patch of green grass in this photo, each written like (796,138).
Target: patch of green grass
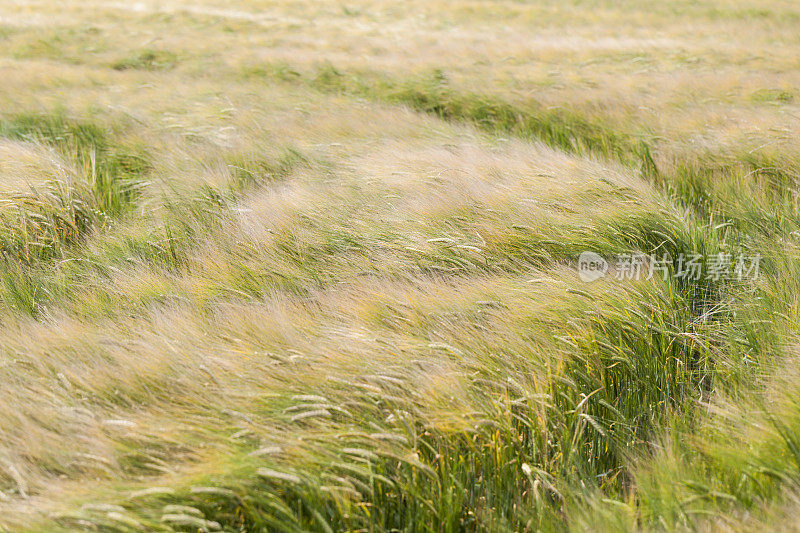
(70,45)
(37,225)
(148,59)
(280,71)
(772,96)
(50,47)
(249,171)
(20,290)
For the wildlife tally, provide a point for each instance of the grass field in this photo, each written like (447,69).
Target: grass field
(314,266)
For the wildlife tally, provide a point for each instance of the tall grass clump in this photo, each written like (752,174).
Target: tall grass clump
(102,186)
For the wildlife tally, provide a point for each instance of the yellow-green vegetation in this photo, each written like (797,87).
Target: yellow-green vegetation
(311,266)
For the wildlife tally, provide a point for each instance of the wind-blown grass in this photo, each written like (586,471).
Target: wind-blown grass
(345,297)
(101,185)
